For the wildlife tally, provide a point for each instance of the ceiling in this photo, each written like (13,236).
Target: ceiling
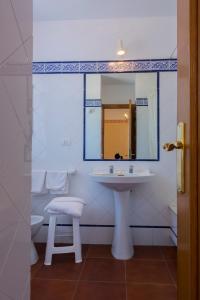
(44,10)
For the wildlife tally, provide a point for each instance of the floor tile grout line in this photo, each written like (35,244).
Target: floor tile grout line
(108,282)
(149,283)
(136,260)
(146,259)
(130,260)
(80,281)
(86,255)
(165,256)
(125,284)
(79,278)
(126,296)
(170,273)
(42,265)
(53,279)
(161,251)
(103,281)
(166,262)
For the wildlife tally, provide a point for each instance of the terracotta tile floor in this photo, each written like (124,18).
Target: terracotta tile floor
(151,274)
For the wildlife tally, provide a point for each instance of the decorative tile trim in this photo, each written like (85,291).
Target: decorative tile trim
(70,67)
(38,68)
(93,103)
(88,67)
(155,65)
(141,102)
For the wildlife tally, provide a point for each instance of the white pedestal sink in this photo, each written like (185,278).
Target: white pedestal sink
(122,245)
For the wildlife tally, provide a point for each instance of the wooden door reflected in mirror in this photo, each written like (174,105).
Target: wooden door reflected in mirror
(118,131)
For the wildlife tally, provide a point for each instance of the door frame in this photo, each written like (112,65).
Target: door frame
(189,112)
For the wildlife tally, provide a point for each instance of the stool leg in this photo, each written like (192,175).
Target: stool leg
(77,240)
(50,240)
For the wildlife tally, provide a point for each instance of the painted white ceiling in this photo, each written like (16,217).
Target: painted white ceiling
(44,10)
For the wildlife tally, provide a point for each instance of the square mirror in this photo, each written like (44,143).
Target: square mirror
(121,116)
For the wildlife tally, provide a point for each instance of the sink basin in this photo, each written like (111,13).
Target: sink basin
(121,183)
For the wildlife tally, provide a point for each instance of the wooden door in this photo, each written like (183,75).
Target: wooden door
(188,105)
(127,129)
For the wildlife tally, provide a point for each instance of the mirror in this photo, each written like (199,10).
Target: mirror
(121,116)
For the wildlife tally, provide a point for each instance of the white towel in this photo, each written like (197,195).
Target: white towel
(66,205)
(38,180)
(57,182)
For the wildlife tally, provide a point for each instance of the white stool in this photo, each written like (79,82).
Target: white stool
(64,206)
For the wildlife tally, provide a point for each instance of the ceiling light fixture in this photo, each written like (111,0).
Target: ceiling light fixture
(121,51)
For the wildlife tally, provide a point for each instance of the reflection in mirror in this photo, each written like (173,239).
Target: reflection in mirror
(121,116)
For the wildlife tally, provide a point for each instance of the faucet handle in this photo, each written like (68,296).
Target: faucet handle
(131,169)
(111,169)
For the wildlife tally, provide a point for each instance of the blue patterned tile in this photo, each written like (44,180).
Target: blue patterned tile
(38,68)
(70,67)
(160,65)
(93,102)
(113,66)
(88,67)
(141,65)
(103,67)
(141,102)
(53,67)
(173,65)
(120,66)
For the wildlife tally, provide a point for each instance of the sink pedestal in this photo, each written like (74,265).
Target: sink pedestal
(122,246)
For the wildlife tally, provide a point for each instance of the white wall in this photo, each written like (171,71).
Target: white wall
(15,137)
(118,93)
(98,39)
(59,115)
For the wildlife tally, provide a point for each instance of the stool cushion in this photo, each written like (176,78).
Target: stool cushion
(66,205)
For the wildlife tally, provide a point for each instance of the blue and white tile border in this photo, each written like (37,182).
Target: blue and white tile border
(93,103)
(82,67)
(141,101)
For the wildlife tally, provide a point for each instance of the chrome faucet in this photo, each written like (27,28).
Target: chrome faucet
(111,169)
(131,169)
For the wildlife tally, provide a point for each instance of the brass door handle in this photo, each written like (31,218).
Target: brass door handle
(179,144)
(172,146)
